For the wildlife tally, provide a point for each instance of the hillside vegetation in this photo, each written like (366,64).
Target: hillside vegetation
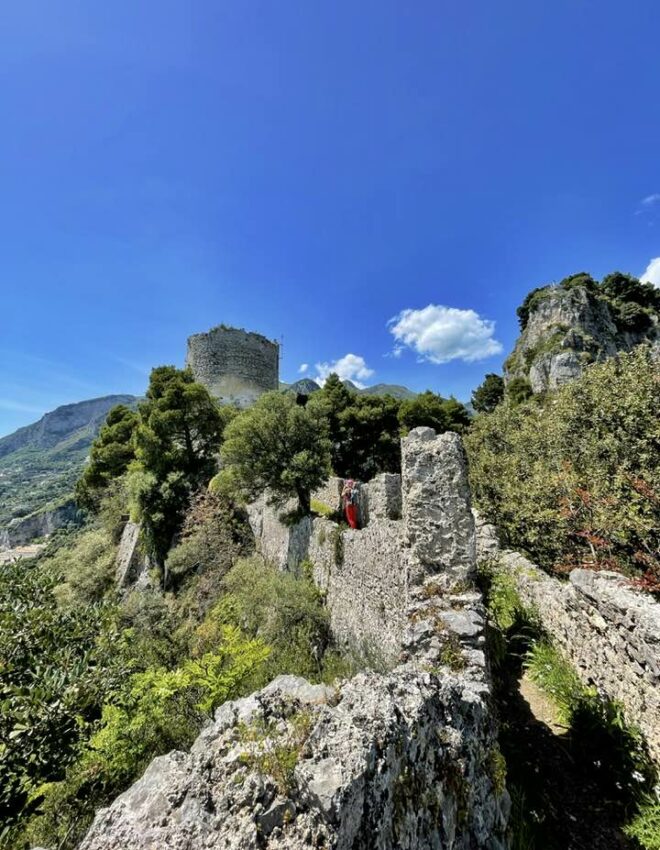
(40,464)
(573,477)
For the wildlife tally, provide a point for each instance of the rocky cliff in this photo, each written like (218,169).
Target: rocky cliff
(577,322)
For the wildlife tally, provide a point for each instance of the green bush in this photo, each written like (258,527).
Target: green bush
(158,711)
(87,568)
(57,666)
(574,479)
(645,826)
(283,610)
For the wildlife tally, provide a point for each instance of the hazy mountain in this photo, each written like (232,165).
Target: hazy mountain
(40,463)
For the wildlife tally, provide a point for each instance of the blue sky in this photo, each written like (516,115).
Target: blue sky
(378,179)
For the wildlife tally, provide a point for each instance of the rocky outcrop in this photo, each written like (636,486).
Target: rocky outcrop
(131,563)
(439,525)
(567,329)
(401,759)
(40,524)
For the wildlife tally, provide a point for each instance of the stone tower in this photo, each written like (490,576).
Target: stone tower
(234,365)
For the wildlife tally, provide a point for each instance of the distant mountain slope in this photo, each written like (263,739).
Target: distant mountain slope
(307,386)
(40,463)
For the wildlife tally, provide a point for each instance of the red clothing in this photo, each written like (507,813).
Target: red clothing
(351,515)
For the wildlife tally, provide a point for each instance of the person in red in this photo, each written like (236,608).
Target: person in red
(350,498)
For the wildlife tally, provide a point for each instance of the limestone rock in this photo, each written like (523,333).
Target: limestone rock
(436,502)
(568,329)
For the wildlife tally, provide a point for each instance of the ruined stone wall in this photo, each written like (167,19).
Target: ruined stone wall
(234,365)
(402,760)
(609,632)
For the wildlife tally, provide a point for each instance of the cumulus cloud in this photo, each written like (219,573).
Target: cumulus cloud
(350,367)
(303,368)
(652,273)
(440,334)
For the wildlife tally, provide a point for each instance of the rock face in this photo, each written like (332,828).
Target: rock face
(63,423)
(400,760)
(436,502)
(41,524)
(132,565)
(568,329)
(234,365)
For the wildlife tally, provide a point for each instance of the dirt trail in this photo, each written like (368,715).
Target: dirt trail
(561,806)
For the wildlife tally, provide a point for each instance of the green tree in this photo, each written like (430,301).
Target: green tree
(519,390)
(280,446)
(434,411)
(109,456)
(489,394)
(177,442)
(624,288)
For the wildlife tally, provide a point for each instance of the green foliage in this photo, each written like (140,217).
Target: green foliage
(575,480)
(55,670)
(283,610)
(434,411)
(600,735)
(553,674)
(87,568)
(645,826)
(159,710)
(176,445)
(214,534)
(110,454)
(519,390)
(489,394)
(363,430)
(280,446)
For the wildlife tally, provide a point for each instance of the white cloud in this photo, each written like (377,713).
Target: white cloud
(649,200)
(350,367)
(303,368)
(652,273)
(440,334)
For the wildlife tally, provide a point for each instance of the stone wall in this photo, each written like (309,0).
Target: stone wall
(403,760)
(234,365)
(368,573)
(609,631)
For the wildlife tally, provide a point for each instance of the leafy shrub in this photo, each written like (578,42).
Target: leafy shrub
(645,826)
(275,753)
(56,668)
(87,567)
(283,610)
(159,710)
(612,750)
(574,480)
(433,411)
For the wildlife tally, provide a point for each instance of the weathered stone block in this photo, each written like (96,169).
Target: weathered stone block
(438,521)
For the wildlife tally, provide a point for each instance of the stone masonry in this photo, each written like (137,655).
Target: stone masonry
(234,365)
(405,759)
(609,631)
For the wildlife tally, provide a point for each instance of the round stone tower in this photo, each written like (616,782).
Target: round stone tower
(234,365)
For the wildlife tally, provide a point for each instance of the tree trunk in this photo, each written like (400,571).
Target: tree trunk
(303,500)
